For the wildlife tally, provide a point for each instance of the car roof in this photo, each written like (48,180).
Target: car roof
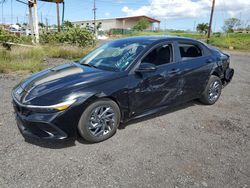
(152,39)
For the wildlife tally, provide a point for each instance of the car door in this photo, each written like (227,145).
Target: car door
(157,88)
(195,65)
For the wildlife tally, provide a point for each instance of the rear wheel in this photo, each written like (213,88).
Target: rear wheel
(212,91)
(99,121)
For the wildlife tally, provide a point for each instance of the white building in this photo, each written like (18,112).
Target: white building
(119,23)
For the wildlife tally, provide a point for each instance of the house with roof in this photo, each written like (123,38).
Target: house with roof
(125,23)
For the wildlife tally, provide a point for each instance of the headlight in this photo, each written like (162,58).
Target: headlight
(57,107)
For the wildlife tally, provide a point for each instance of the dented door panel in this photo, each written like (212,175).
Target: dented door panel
(155,89)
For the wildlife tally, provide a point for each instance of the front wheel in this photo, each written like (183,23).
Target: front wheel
(99,121)
(212,91)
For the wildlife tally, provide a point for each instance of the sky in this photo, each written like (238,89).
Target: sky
(173,14)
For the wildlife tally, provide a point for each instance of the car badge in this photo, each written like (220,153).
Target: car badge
(19,91)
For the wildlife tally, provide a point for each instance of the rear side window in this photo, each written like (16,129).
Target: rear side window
(189,51)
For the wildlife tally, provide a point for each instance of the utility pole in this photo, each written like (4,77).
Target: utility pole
(210,21)
(94,9)
(31,21)
(47,25)
(63,11)
(58,17)
(36,22)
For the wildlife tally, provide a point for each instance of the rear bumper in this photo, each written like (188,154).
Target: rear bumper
(228,76)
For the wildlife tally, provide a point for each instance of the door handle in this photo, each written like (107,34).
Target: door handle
(209,61)
(174,71)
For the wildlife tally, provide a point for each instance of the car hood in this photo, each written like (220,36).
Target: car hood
(60,79)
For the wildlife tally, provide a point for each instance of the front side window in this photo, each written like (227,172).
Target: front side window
(114,56)
(189,51)
(160,55)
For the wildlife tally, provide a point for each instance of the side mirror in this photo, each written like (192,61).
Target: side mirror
(146,67)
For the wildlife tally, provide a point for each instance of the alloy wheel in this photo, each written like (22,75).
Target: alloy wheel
(214,91)
(101,121)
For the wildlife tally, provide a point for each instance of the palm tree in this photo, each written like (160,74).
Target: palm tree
(202,28)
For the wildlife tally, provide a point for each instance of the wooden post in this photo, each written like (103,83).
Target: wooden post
(58,17)
(210,21)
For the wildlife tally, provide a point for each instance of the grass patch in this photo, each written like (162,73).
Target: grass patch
(239,41)
(66,52)
(24,59)
(31,59)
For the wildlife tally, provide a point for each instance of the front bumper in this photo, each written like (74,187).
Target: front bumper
(44,130)
(60,125)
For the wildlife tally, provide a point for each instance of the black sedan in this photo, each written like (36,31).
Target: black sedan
(121,80)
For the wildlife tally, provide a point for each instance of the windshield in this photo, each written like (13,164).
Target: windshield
(114,56)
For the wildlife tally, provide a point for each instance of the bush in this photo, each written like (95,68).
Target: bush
(73,36)
(117,31)
(49,38)
(141,25)
(217,34)
(8,37)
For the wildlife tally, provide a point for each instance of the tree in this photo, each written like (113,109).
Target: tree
(142,24)
(18,24)
(68,24)
(231,24)
(202,28)
(99,25)
(40,24)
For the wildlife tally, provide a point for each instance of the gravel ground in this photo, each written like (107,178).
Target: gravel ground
(190,146)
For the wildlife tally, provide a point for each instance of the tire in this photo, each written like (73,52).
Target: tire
(212,91)
(95,127)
